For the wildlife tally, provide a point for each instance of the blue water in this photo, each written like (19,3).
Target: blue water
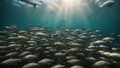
(106,19)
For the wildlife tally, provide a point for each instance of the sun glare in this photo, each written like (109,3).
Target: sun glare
(70,3)
(68,8)
(65,9)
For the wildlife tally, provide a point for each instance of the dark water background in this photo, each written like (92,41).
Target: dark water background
(107,19)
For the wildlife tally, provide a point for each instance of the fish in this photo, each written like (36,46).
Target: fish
(107,3)
(21,3)
(30,2)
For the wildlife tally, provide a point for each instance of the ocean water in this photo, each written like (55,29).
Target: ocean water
(60,34)
(89,17)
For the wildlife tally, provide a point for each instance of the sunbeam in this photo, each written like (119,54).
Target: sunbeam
(65,9)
